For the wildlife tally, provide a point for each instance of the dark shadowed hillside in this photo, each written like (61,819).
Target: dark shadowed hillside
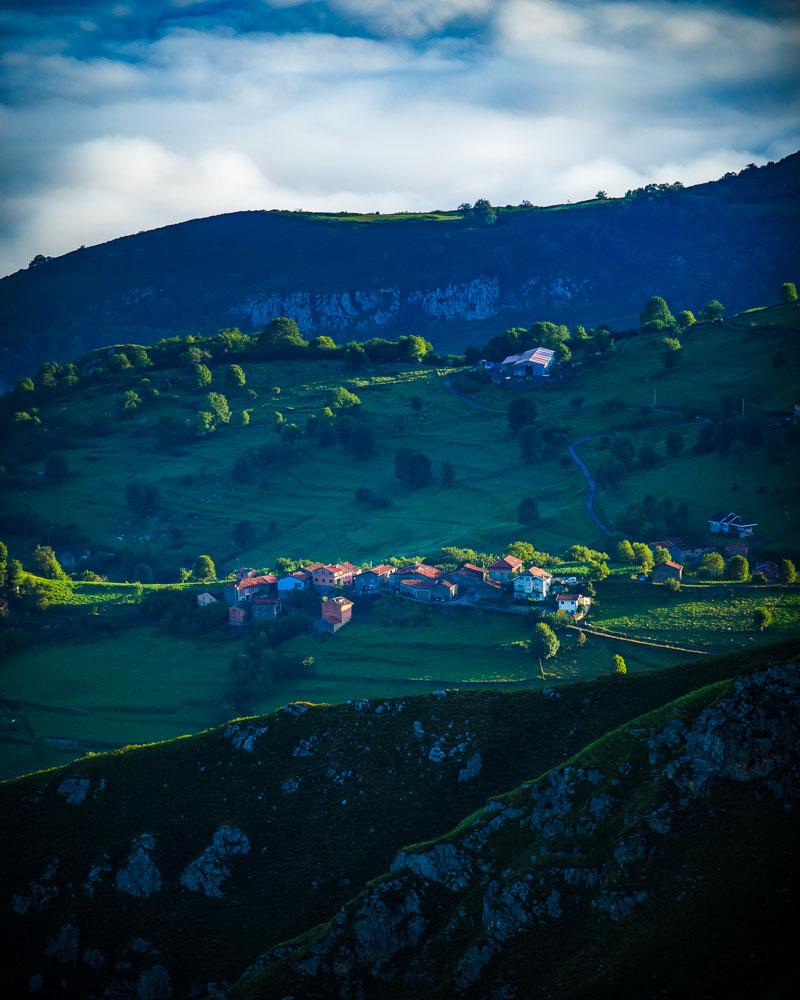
(443,275)
(259,830)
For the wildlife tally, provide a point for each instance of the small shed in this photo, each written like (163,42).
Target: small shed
(237,616)
(667,571)
(203,600)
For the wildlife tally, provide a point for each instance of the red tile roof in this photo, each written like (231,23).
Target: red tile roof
(672,564)
(419,584)
(383,570)
(256,581)
(535,571)
(569,597)
(506,562)
(471,568)
(424,570)
(301,574)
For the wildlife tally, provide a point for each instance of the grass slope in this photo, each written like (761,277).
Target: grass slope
(367,781)
(658,861)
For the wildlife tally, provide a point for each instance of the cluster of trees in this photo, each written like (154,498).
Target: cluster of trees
(654,518)
(555,336)
(253,672)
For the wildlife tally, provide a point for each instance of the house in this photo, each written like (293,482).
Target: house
(336,613)
(237,616)
(416,571)
(731,524)
(334,575)
(248,587)
(505,569)
(444,590)
(468,576)
(245,571)
(532,583)
(373,580)
(535,363)
(420,590)
(297,581)
(668,570)
(769,570)
(264,608)
(203,600)
(573,604)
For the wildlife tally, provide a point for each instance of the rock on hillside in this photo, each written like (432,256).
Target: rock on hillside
(451,280)
(659,862)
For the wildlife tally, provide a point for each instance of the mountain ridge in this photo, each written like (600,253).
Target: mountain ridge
(445,275)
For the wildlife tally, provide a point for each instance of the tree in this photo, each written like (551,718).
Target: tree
(218,405)
(671,352)
(672,585)
(762,619)
(685,319)
(581,639)
(235,377)
(201,376)
(3,565)
(738,568)
(661,555)
(131,401)
(619,665)
(656,316)
(342,399)
(204,569)
(45,563)
(788,292)
(243,418)
(483,212)
(281,336)
(204,423)
(521,412)
(355,355)
(244,534)
(528,511)
(673,443)
(56,468)
(323,344)
(712,311)
(413,468)
(14,576)
(643,556)
(141,498)
(414,348)
(787,572)
(601,195)
(712,564)
(527,439)
(545,642)
(623,449)
(625,552)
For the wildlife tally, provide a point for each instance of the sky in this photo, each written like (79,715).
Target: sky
(121,117)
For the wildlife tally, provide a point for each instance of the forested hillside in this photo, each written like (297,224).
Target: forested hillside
(452,276)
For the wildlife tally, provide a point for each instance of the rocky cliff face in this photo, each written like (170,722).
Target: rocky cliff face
(581,852)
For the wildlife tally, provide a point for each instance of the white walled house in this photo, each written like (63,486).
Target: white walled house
(532,583)
(573,604)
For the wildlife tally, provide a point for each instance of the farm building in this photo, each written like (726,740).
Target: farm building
(265,608)
(731,524)
(769,570)
(468,576)
(237,616)
(534,363)
(373,580)
(336,613)
(416,571)
(533,582)
(573,604)
(203,600)
(667,571)
(505,569)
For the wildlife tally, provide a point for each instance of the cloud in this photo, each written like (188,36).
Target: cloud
(151,118)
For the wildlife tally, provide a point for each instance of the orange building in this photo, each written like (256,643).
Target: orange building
(336,612)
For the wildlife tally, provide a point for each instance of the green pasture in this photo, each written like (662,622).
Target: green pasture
(717,617)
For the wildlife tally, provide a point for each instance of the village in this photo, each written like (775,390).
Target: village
(253,596)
